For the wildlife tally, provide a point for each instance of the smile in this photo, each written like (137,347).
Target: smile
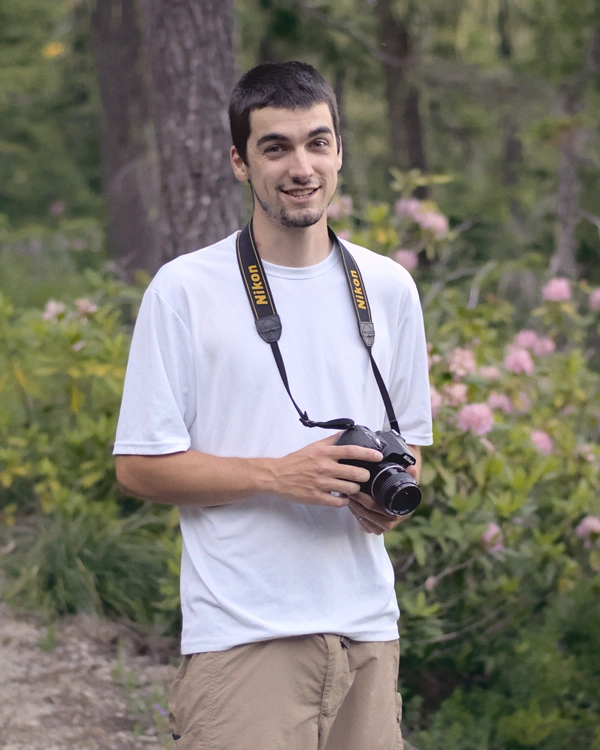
(304,193)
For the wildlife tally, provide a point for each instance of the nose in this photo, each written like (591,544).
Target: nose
(301,169)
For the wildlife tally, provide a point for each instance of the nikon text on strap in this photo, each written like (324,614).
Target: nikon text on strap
(268,322)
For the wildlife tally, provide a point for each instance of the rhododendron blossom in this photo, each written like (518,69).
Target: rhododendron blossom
(477,418)
(85,307)
(542,442)
(590,525)
(434,222)
(431,583)
(436,401)
(518,361)
(454,394)
(544,346)
(500,401)
(490,372)
(594,300)
(407,258)
(340,208)
(53,310)
(493,538)
(410,207)
(526,339)
(462,362)
(557,290)
(344,234)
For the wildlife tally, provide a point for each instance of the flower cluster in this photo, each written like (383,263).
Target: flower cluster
(427,218)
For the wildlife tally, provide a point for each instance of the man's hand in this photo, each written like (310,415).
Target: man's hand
(370,515)
(310,475)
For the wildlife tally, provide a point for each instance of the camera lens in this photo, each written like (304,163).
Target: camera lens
(395,490)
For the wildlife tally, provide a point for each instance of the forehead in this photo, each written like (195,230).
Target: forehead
(289,122)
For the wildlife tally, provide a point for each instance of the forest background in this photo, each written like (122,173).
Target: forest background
(471,157)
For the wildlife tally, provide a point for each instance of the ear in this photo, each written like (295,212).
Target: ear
(240,170)
(340,152)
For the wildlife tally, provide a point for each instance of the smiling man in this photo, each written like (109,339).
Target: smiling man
(290,636)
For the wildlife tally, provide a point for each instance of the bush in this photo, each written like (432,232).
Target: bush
(497,573)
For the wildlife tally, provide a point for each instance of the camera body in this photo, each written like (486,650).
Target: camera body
(388,484)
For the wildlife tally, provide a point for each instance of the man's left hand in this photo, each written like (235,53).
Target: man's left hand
(371,516)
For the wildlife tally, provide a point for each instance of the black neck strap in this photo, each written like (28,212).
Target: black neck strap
(268,322)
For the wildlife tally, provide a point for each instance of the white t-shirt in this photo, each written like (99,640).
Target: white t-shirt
(199,376)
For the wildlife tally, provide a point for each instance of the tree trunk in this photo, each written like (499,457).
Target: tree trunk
(406,129)
(568,206)
(190,45)
(128,156)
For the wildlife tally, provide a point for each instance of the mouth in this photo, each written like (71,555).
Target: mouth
(301,194)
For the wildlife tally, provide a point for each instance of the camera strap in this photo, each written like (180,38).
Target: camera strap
(268,322)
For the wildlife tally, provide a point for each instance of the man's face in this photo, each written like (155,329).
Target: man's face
(292,164)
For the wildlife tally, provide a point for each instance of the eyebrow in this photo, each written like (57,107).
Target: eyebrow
(321,130)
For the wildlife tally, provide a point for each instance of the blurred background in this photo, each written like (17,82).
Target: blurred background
(471,156)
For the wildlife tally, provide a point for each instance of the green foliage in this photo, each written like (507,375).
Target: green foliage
(49,126)
(84,547)
(497,578)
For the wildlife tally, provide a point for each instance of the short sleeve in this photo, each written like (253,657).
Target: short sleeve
(409,383)
(159,395)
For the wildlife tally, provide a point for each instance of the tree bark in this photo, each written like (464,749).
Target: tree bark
(406,128)
(128,156)
(190,45)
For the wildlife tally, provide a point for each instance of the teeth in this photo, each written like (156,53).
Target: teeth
(301,193)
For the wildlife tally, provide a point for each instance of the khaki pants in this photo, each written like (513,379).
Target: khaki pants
(316,692)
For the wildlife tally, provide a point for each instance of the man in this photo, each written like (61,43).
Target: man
(290,637)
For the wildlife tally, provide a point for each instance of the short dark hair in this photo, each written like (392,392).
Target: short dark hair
(288,85)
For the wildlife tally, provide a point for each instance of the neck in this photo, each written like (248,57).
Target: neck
(295,248)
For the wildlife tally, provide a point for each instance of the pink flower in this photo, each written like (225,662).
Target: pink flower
(454,394)
(344,235)
(53,311)
(595,300)
(586,451)
(78,346)
(489,373)
(407,258)
(462,362)
(436,402)
(57,208)
(500,401)
(340,208)
(544,346)
(493,538)
(435,222)
(478,418)
(557,290)
(518,361)
(526,339)
(431,583)
(410,207)
(542,442)
(590,525)
(85,307)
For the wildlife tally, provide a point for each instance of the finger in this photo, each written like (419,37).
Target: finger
(370,506)
(380,519)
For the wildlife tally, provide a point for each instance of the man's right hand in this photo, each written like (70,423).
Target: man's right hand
(309,475)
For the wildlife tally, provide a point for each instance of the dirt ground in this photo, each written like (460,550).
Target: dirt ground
(82,684)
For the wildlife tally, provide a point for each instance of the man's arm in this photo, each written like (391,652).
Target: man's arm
(371,516)
(307,476)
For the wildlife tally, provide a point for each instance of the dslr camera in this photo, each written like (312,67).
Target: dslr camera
(389,484)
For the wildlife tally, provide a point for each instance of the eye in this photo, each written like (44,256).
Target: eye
(321,143)
(273,149)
